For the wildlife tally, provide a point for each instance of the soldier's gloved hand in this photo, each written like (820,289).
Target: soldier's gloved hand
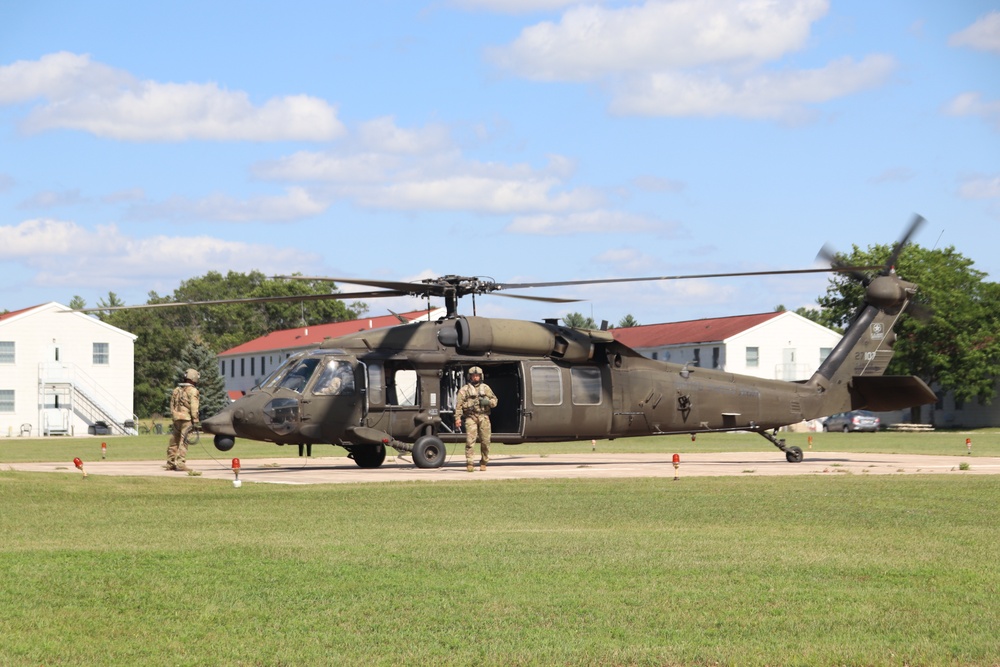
(484,401)
(196,426)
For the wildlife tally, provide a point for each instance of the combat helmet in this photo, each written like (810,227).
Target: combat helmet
(192,376)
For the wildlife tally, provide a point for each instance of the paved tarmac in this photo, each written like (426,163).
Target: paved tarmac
(340,470)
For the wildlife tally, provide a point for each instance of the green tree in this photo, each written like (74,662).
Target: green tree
(955,344)
(158,345)
(77,302)
(578,321)
(163,333)
(211,386)
(628,321)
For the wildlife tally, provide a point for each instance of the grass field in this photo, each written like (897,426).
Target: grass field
(985,442)
(831,570)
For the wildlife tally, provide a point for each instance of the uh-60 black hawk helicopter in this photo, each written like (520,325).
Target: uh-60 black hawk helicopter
(396,387)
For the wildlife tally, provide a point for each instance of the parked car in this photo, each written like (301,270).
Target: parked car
(855,420)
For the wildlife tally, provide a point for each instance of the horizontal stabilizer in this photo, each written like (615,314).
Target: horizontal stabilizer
(889,392)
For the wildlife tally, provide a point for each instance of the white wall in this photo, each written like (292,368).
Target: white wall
(788,336)
(37,335)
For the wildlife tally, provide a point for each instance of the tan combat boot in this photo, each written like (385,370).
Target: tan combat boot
(468,466)
(482,466)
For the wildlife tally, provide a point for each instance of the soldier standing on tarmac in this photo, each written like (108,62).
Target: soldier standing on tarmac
(474,401)
(184,412)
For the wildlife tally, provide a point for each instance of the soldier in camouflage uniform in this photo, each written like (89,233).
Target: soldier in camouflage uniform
(474,401)
(184,412)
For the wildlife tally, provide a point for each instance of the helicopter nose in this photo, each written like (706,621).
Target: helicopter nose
(220,424)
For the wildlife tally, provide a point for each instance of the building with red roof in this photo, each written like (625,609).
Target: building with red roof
(777,345)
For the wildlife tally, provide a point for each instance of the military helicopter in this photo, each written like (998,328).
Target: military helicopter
(396,387)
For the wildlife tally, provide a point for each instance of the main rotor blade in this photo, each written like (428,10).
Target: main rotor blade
(915,224)
(546,299)
(406,288)
(602,281)
(259,299)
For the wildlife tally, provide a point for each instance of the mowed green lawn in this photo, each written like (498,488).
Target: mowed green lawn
(808,570)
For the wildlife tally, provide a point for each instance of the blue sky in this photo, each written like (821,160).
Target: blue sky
(524,140)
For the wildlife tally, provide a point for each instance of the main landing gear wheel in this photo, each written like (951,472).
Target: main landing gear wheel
(428,452)
(371,456)
(793,455)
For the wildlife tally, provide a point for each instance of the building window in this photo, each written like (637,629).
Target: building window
(222,367)
(697,357)
(6,400)
(656,355)
(715,357)
(101,354)
(6,351)
(753,357)
(253,366)
(243,367)
(824,352)
(232,368)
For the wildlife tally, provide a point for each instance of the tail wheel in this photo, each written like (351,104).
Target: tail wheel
(793,455)
(428,452)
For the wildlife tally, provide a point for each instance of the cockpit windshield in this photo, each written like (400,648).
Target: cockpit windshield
(298,377)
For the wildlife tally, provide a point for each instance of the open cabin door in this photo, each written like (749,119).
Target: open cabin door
(506,381)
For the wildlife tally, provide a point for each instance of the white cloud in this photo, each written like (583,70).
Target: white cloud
(430,175)
(972,104)
(513,6)
(776,95)
(588,222)
(477,193)
(895,175)
(384,136)
(59,76)
(63,252)
(692,57)
(52,199)
(590,42)
(983,187)
(983,35)
(297,203)
(92,97)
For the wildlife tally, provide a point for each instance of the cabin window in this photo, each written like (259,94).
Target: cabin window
(337,377)
(6,351)
(101,354)
(586,386)
(753,357)
(6,400)
(401,386)
(546,385)
(375,383)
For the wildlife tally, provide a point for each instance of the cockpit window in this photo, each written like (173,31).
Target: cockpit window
(337,377)
(298,377)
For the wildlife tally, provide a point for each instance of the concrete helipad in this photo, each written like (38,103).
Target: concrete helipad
(340,470)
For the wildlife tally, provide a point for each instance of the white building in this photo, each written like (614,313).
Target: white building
(244,366)
(62,372)
(776,345)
